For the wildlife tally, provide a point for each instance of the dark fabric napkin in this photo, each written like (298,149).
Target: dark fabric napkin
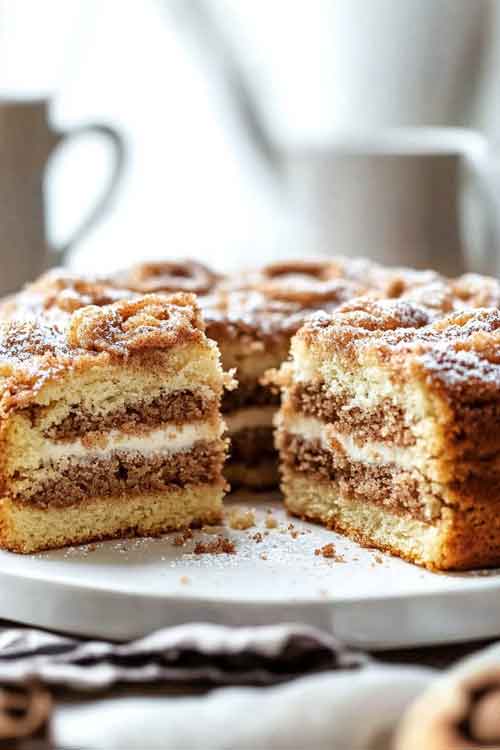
(195,654)
(189,653)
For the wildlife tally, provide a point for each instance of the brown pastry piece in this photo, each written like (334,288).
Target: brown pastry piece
(458,714)
(24,714)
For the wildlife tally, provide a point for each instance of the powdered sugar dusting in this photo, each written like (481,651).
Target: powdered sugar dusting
(455,368)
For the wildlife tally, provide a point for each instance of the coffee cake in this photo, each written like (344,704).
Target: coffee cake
(389,426)
(110,419)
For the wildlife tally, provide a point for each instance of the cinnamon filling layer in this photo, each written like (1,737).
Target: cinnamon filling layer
(382,485)
(74,481)
(176,408)
(253,445)
(384,423)
(385,484)
(248,394)
(475,431)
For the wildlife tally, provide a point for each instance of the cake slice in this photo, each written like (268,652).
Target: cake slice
(389,430)
(110,419)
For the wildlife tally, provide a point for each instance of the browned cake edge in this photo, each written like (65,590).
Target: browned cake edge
(459,540)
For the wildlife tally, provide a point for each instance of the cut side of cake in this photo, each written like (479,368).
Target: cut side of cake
(389,429)
(236,322)
(233,322)
(253,318)
(110,420)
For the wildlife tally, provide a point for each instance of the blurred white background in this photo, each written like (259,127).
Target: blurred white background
(194,184)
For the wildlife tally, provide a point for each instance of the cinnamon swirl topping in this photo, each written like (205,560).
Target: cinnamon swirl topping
(309,283)
(167,276)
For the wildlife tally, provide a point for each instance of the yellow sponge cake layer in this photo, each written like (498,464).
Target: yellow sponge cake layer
(27,529)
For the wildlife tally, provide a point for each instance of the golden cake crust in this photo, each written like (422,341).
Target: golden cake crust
(399,327)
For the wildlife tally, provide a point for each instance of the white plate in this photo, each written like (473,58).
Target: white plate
(125,589)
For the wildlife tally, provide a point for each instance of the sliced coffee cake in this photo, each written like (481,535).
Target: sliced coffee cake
(110,419)
(389,430)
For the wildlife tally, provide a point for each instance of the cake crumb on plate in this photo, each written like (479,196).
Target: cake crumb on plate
(241,518)
(219,546)
(329,551)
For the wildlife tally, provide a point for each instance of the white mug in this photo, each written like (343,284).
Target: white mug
(422,197)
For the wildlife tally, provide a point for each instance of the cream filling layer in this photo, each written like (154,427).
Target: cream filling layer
(366,386)
(372,453)
(310,428)
(250,416)
(167,439)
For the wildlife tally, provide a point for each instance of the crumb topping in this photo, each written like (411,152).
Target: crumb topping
(454,350)
(20,341)
(58,293)
(63,318)
(382,315)
(477,291)
(308,283)
(273,303)
(254,316)
(35,350)
(149,322)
